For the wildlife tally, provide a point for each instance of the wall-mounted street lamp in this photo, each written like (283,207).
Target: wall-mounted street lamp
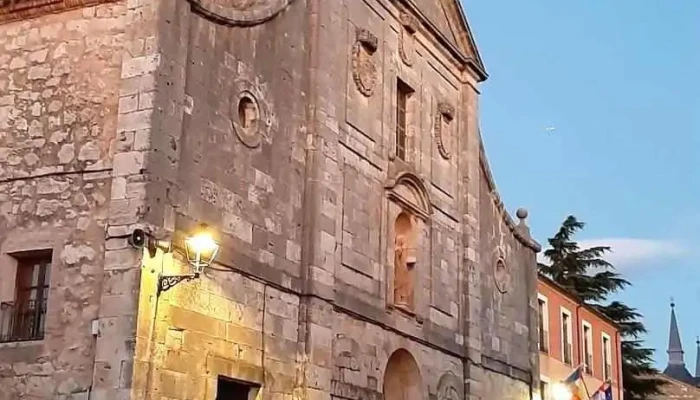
(201,250)
(561,392)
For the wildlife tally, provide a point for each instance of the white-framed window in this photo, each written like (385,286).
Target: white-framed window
(543,314)
(607,356)
(566,337)
(545,388)
(587,345)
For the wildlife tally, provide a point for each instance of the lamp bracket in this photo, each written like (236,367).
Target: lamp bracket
(167,282)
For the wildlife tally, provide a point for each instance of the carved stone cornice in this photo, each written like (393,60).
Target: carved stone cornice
(521,236)
(418,201)
(14,10)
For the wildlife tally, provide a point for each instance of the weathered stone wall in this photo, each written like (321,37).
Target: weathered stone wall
(59,85)
(249,183)
(362,368)
(357,133)
(277,127)
(208,165)
(459,308)
(508,290)
(223,324)
(283,139)
(500,386)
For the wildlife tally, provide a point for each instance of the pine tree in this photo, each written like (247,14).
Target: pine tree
(586,274)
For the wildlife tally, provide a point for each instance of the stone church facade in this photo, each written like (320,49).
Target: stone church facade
(332,146)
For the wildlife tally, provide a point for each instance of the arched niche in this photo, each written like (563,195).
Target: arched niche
(410,192)
(408,211)
(405,259)
(402,379)
(450,387)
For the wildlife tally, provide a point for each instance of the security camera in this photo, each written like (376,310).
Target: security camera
(138,238)
(141,239)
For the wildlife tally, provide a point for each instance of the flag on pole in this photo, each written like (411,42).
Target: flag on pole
(572,383)
(604,392)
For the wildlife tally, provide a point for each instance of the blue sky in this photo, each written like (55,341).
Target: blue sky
(619,81)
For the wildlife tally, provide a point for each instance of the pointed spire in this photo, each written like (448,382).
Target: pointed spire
(675,348)
(676,365)
(697,357)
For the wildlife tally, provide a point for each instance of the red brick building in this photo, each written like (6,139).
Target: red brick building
(572,333)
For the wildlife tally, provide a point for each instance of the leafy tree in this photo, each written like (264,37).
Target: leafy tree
(586,274)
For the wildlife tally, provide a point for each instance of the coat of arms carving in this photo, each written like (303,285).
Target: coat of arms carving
(407,42)
(444,116)
(364,69)
(501,276)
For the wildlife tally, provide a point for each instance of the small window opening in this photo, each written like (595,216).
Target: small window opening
(403,93)
(247,112)
(230,389)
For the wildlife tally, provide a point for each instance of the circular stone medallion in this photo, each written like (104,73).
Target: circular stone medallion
(241,12)
(245,113)
(501,276)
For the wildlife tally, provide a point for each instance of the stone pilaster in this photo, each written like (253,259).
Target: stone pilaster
(319,254)
(141,59)
(530,258)
(471,261)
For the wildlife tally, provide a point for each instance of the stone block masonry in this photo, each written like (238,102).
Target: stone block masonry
(59,85)
(333,148)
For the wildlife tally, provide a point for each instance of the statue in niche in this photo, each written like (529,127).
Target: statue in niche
(404,262)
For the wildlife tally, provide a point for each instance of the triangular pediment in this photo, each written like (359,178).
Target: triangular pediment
(449,19)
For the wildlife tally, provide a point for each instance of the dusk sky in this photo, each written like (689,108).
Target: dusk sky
(592,108)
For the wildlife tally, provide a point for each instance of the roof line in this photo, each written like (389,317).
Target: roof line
(561,289)
(467,61)
(526,240)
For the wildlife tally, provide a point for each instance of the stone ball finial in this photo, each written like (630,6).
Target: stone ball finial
(673,303)
(521,213)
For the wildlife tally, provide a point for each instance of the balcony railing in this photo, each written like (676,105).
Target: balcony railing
(544,342)
(22,322)
(567,353)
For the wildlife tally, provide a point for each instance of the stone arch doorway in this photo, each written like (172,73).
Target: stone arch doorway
(402,380)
